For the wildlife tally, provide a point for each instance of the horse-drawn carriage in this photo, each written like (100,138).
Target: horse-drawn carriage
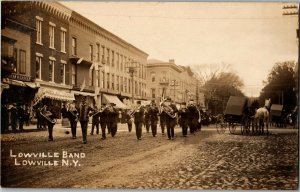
(276,115)
(236,115)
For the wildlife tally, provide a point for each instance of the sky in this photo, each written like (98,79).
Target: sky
(250,37)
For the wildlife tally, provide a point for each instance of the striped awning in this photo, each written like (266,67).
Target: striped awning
(54,94)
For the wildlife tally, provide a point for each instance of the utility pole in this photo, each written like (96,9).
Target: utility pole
(131,71)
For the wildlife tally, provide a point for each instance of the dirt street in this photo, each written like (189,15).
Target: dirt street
(206,160)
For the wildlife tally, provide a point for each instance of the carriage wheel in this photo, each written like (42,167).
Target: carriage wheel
(221,127)
(232,128)
(245,128)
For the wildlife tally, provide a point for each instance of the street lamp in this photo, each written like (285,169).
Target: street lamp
(132,71)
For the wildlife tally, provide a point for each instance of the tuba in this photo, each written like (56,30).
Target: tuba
(136,109)
(168,110)
(47,115)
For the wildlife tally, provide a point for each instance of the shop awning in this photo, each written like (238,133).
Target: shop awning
(83,93)
(114,99)
(54,94)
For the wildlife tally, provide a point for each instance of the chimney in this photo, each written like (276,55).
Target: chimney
(172,61)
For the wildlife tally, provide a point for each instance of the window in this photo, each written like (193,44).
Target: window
(124,63)
(121,84)
(129,86)
(92,77)
(38,24)
(74,46)
(107,55)
(153,93)
(140,89)
(113,82)
(107,80)
(63,41)
(91,52)
(117,83)
(98,53)
(74,74)
(51,70)
(102,80)
(51,35)
(125,84)
(153,76)
(103,54)
(62,73)
(118,60)
(112,58)
(38,66)
(121,63)
(22,63)
(98,78)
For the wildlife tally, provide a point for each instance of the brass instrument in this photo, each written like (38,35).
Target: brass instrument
(104,108)
(47,117)
(137,109)
(168,110)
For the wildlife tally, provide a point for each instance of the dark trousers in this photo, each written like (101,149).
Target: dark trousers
(147,125)
(192,128)
(138,129)
(113,128)
(184,127)
(170,128)
(50,130)
(103,127)
(84,126)
(95,124)
(14,124)
(73,128)
(162,126)
(154,127)
(21,123)
(129,127)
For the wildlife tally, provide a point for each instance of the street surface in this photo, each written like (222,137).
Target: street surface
(207,160)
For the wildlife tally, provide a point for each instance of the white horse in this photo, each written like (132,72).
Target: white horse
(262,118)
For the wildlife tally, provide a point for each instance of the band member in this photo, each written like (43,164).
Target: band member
(128,120)
(104,119)
(21,116)
(147,118)
(84,111)
(193,117)
(95,120)
(73,118)
(169,107)
(14,117)
(138,120)
(162,121)
(49,117)
(183,114)
(113,119)
(153,113)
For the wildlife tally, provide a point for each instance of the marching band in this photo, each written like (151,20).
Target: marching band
(187,116)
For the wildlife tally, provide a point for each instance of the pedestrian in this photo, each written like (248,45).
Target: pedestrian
(113,119)
(193,117)
(73,118)
(153,117)
(84,111)
(64,115)
(138,114)
(26,115)
(48,115)
(183,114)
(4,118)
(14,117)
(147,118)
(171,109)
(95,120)
(21,116)
(103,120)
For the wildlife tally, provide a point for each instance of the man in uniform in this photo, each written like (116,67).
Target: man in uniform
(95,120)
(147,118)
(162,121)
(170,118)
(73,118)
(103,120)
(21,115)
(183,115)
(84,111)
(113,119)
(153,112)
(138,120)
(193,117)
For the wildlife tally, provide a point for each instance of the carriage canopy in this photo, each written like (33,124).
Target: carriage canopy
(235,105)
(276,110)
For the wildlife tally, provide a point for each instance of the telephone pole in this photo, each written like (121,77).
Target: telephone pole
(132,71)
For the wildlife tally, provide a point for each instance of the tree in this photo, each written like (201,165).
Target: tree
(280,85)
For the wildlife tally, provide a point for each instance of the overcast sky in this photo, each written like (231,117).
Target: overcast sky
(249,36)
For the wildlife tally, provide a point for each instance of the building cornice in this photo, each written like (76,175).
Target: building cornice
(165,64)
(54,8)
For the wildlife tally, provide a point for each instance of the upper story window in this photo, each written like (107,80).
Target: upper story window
(38,24)
(22,62)
(98,53)
(91,52)
(74,74)
(74,46)
(107,55)
(103,54)
(118,60)
(51,70)
(152,76)
(63,72)
(51,34)
(38,66)
(63,40)
(112,58)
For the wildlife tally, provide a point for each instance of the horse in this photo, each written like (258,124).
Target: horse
(262,117)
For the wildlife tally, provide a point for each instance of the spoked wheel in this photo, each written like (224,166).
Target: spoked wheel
(221,127)
(232,128)
(245,127)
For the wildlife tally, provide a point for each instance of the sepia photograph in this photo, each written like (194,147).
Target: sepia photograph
(149,95)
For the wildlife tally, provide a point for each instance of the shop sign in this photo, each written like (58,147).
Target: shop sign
(20,77)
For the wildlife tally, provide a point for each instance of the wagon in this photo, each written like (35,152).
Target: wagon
(235,115)
(276,113)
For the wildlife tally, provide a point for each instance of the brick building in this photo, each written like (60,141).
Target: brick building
(166,79)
